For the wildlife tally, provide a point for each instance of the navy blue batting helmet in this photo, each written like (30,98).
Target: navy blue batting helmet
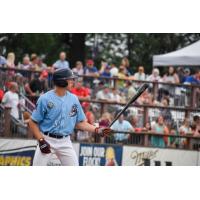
(61,75)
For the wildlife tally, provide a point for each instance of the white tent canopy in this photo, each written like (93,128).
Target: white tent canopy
(189,56)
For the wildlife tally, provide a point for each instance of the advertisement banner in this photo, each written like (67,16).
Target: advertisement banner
(17,152)
(100,155)
(156,156)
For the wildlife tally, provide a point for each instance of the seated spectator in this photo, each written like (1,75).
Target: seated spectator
(2,61)
(121,125)
(130,91)
(115,96)
(113,69)
(196,124)
(161,128)
(104,94)
(105,119)
(79,68)
(80,91)
(38,85)
(34,63)
(62,62)
(166,113)
(145,98)
(11,100)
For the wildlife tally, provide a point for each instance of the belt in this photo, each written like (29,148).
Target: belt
(55,135)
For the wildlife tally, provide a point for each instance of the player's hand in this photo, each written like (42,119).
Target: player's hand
(103,131)
(44,146)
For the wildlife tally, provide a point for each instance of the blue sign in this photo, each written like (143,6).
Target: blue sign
(17,157)
(100,155)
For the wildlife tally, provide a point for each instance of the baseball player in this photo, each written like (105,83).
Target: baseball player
(56,115)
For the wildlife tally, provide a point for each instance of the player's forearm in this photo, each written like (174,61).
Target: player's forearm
(35,129)
(85,126)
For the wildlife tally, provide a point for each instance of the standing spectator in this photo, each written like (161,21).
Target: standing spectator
(171,76)
(11,100)
(11,63)
(41,64)
(20,82)
(122,125)
(186,74)
(166,113)
(2,61)
(125,63)
(193,79)
(62,62)
(34,62)
(155,76)
(105,72)
(78,69)
(121,74)
(38,85)
(26,64)
(140,76)
(161,128)
(90,69)
(80,91)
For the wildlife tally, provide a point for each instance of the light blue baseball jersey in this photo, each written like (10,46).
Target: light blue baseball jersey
(56,114)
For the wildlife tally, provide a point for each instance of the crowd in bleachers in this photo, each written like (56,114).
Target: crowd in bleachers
(94,87)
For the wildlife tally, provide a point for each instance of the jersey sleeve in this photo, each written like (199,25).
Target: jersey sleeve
(80,114)
(39,113)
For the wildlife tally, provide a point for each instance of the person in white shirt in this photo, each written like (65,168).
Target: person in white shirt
(114,70)
(11,99)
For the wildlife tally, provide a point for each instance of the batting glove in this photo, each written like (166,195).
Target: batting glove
(44,146)
(103,131)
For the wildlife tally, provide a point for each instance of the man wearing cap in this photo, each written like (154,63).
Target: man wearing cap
(58,112)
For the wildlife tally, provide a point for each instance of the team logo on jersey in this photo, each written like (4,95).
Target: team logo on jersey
(50,105)
(73,111)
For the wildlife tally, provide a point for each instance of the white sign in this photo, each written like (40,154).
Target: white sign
(135,156)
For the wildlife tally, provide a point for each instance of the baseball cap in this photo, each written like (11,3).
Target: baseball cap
(90,62)
(44,74)
(187,70)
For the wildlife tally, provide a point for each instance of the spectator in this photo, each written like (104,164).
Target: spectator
(125,64)
(2,61)
(161,128)
(62,62)
(1,95)
(80,91)
(171,76)
(196,124)
(79,68)
(114,70)
(41,64)
(115,96)
(104,94)
(166,113)
(105,71)
(26,64)
(37,85)
(20,82)
(121,125)
(34,62)
(140,76)
(121,74)
(105,119)
(11,100)
(11,63)
(186,74)
(90,69)
(193,79)
(130,91)
(155,76)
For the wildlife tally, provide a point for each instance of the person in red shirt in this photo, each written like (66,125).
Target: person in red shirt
(80,91)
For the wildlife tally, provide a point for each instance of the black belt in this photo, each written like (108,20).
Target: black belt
(55,135)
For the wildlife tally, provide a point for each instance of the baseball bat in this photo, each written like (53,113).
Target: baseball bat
(133,99)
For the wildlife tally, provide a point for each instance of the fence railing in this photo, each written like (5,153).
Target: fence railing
(181,94)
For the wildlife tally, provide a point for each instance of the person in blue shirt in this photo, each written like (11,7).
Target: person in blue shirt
(2,61)
(121,125)
(62,62)
(195,79)
(58,112)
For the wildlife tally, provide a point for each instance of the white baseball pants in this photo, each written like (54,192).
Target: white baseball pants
(61,147)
